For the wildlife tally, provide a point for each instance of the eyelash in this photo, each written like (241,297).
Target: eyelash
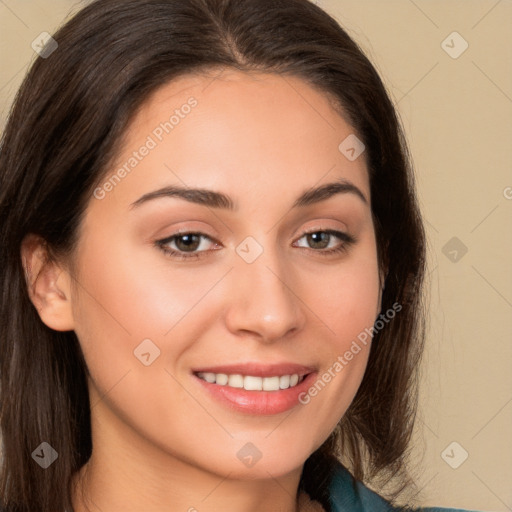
(347,240)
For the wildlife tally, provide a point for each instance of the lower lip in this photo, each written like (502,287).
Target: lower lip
(258,402)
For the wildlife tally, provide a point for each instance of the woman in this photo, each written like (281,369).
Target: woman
(214,256)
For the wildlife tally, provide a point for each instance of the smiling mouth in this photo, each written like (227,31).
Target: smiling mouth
(251,382)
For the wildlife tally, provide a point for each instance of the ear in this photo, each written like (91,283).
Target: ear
(48,284)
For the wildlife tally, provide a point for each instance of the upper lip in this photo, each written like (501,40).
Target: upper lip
(258,369)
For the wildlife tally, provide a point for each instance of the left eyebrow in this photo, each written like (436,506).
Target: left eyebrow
(315,195)
(215,199)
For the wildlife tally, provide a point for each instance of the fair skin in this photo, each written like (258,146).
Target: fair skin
(160,442)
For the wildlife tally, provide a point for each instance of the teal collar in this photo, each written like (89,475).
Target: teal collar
(349,495)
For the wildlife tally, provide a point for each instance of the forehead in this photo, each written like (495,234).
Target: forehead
(244,133)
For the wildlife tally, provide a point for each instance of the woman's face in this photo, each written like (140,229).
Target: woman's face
(248,285)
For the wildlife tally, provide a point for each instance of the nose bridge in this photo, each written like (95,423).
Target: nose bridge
(263,301)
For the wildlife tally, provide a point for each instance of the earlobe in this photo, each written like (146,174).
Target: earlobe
(48,284)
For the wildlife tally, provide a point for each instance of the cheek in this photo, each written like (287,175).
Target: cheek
(125,296)
(129,294)
(345,298)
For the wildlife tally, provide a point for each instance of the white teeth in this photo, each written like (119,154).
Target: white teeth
(236,381)
(270,383)
(251,383)
(220,378)
(209,377)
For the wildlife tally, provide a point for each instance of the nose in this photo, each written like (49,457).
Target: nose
(264,299)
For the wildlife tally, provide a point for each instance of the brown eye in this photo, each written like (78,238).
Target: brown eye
(185,245)
(319,239)
(188,242)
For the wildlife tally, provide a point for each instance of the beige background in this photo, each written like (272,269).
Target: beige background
(457,115)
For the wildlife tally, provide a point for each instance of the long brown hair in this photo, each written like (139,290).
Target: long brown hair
(63,131)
